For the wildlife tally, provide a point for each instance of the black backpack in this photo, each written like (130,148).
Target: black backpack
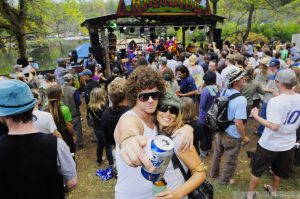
(216,117)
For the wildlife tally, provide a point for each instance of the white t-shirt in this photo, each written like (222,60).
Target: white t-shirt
(44,122)
(173,65)
(284,110)
(218,79)
(186,62)
(131,184)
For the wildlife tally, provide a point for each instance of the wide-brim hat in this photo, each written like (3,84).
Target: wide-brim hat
(265,61)
(15,97)
(234,75)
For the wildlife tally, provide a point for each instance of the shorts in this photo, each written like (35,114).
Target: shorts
(281,162)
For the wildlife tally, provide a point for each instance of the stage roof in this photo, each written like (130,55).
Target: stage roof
(153,20)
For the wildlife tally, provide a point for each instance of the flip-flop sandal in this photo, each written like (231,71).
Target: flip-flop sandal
(270,191)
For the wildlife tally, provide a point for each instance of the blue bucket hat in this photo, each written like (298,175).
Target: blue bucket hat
(15,97)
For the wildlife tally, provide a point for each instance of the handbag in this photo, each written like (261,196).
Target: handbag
(204,191)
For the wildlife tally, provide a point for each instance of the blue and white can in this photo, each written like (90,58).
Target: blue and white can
(162,149)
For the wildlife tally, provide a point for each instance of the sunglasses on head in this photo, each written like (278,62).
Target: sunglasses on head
(164,108)
(144,97)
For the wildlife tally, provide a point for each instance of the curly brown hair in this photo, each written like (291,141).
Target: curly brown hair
(143,78)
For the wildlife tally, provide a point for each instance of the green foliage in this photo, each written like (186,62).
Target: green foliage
(254,37)
(63,17)
(278,30)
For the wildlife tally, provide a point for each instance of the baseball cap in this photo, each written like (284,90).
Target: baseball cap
(164,60)
(86,72)
(68,76)
(170,99)
(287,76)
(274,62)
(61,62)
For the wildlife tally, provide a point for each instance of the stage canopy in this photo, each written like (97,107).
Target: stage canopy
(151,14)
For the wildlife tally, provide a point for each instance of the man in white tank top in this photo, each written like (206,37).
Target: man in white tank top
(276,146)
(144,88)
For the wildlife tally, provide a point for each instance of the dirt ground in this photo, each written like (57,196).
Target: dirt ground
(91,187)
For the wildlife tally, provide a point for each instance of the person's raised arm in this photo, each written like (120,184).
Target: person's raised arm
(130,140)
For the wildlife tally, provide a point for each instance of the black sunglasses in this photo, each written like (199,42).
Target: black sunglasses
(144,97)
(164,108)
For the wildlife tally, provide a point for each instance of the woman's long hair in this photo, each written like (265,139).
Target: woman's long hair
(54,94)
(188,109)
(264,70)
(169,130)
(98,99)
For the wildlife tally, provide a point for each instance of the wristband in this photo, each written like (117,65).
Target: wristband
(126,138)
(199,168)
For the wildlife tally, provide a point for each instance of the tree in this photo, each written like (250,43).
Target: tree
(244,11)
(13,19)
(62,17)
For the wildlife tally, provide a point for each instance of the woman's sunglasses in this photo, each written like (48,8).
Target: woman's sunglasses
(164,108)
(144,97)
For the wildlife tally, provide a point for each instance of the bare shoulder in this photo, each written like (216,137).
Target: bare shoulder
(128,125)
(130,121)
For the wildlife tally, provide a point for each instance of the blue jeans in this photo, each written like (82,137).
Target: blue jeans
(263,114)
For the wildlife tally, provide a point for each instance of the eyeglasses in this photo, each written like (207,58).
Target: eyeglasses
(164,108)
(144,97)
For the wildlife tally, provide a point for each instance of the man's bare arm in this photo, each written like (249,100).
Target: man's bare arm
(129,137)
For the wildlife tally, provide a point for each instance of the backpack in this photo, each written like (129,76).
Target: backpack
(216,118)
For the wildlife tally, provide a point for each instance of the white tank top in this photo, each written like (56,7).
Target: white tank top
(131,184)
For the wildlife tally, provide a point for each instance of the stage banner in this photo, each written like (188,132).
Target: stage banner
(163,7)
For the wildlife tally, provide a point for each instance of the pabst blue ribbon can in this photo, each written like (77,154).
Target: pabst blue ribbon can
(162,149)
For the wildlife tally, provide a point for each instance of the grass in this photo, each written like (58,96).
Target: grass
(91,187)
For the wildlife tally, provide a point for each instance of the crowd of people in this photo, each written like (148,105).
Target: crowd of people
(150,92)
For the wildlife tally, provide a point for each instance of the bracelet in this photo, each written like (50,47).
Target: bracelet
(199,168)
(126,138)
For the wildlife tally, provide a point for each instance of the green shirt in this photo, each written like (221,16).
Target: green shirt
(66,112)
(284,54)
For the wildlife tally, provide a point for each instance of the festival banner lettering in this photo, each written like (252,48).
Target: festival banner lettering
(163,7)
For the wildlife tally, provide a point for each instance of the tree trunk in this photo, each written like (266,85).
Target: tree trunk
(215,7)
(20,37)
(249,23)
(215,4)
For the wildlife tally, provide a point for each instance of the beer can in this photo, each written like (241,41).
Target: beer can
(162,152)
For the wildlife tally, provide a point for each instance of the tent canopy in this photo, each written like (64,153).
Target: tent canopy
(83,50)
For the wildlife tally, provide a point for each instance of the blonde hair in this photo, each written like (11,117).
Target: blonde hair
(264,70)
(188,109)
(117,90)
(97,99)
